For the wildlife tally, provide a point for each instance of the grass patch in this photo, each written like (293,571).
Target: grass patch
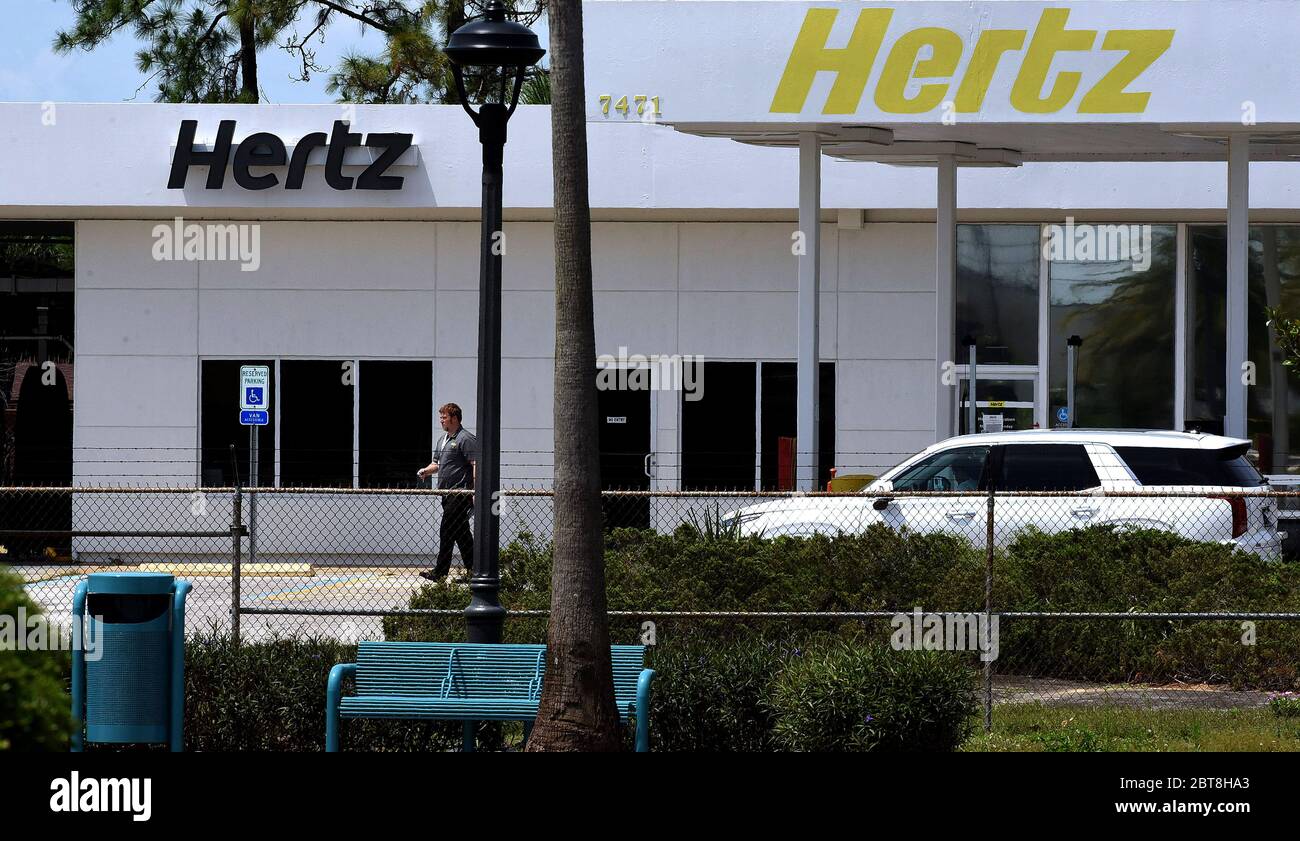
(1039,728)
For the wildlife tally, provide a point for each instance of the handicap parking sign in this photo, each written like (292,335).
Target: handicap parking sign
(254,387)
(1063,414)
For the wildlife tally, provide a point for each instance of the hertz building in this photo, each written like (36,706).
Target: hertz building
(908,175)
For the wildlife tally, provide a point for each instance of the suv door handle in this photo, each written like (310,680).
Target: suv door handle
(961,515)
(1083,511)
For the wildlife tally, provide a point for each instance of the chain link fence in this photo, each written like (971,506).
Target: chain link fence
(1187,599)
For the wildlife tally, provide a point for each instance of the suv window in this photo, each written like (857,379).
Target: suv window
(1176,466)
(1046,467)
(951,470)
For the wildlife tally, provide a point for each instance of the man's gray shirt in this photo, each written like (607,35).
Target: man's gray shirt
(453,456)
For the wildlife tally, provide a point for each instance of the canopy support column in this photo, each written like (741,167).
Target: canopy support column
(1237,293)
(809,263)
(945,298)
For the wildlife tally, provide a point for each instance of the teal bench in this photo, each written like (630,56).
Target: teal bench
(468,682)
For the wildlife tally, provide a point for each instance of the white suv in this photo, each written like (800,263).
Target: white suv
(1212,492)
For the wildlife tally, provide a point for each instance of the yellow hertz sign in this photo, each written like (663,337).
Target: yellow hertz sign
(853,64)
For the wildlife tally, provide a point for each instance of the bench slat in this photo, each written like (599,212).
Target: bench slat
(437,669)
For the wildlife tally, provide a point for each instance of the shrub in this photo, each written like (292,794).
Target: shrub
(1084,570)
(1285,705)
(842,696)
(694,570)
(271,696)
(35,705)
(709,697)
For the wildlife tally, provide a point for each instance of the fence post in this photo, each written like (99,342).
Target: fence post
(988,616)
(235,534)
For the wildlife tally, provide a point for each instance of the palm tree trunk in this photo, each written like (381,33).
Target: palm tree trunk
(577,710)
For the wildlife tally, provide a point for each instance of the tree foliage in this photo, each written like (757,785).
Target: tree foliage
(207,50)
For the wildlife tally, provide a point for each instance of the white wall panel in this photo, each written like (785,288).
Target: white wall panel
(885,395)
(886,325)
(457,324)
(642,322)
(455,381)
(136,321)
(317,323)
(119,255)
(135,391)
(527,322)
(634,255)
(890,257)
(333,255)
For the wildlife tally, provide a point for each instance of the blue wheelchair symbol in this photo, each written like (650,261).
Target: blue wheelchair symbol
(1063,414)
(253,396)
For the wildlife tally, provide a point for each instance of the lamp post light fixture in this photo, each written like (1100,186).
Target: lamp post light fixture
(491,44)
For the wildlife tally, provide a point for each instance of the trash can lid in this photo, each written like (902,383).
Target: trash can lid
(130,583)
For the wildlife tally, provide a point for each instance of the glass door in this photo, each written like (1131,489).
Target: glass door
(1004,402)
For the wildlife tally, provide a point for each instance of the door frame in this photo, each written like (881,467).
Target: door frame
(655,387)
(1019,373)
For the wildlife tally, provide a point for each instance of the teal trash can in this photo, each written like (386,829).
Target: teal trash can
(128,676)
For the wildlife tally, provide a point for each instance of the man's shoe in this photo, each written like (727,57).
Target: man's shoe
(433,575)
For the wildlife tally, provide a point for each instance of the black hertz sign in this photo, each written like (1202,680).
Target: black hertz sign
(267,150)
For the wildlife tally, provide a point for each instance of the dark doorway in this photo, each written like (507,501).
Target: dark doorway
(43,428)
(718,441)
(780,419)
(36,385)
(316,424)
(624,424)
(396,422)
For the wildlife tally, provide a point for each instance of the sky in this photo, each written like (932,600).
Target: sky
(30,70)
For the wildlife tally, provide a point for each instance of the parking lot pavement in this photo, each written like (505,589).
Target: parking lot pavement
(207,607)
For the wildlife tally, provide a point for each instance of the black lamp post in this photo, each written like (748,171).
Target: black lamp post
(491,44)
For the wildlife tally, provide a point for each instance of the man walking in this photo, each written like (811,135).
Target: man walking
(455,460)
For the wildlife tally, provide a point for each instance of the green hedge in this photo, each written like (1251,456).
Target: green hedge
(271,696)
(809,692)
(35,705)
(1086,570)
(749,694)
(689,571)
(850,697)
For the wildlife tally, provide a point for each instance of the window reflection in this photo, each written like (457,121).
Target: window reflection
(1273,416)
(997,293)
(1125,315)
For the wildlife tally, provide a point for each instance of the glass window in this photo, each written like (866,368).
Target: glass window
(718,440)
(316,424)
(1113,286)
(1273,279)
(221,428)
(396,422)
(1000,405)
(36,358)
(997,293)
(1046,467)
(1178,466)
(951,470)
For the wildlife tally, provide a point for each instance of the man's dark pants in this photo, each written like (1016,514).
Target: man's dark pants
(455,529)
